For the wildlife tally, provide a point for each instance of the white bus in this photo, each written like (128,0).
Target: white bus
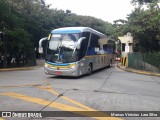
(75,51)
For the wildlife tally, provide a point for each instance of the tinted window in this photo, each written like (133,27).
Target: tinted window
(84,44)
(94,41)
(93,44)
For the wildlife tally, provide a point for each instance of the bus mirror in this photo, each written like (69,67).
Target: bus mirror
(40,49)
(79,42)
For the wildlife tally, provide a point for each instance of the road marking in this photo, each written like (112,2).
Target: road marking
(48,88)
(56,104)
(21,85)
(60,106)
(1,118)
(51,90)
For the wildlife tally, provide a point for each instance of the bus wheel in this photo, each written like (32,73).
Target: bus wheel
(89,69)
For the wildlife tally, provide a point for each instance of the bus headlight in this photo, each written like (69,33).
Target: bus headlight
(72,67)
(46,65)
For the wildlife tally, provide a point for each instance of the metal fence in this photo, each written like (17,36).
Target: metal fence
(144,61)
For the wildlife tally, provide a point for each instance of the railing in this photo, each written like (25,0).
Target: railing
(144,61)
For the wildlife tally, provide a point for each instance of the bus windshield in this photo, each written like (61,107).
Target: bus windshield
(62,48)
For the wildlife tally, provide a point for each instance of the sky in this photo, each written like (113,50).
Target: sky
(107,10)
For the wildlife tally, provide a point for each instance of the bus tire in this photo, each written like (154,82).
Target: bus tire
(90,68)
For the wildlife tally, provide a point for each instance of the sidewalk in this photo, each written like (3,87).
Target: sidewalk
(137,71)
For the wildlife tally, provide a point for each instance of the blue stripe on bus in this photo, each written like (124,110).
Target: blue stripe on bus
(57,64)
(65,31)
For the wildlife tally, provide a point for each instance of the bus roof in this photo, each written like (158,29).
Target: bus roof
(76,30)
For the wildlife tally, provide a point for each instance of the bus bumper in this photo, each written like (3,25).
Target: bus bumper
(62,72)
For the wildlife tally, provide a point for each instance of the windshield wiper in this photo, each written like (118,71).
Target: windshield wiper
(59,50)
(74,50)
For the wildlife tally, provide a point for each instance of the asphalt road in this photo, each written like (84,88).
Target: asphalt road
(109,89)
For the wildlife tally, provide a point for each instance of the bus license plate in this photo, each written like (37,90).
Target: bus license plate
(58,72)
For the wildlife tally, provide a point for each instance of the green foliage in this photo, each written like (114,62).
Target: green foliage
(121,28)
(20,40)
(24,22)
(144,25)
(141,2)
(153,58)
(88,21)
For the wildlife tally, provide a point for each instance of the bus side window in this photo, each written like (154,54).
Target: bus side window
(105,47)
(84,44)
(93,44)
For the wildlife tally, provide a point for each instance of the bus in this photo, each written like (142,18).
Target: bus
(75,51)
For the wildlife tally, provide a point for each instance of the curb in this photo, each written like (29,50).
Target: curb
(139,71)
(20,68)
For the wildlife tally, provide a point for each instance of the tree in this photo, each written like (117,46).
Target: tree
(26,21)
(121,28)
(20,44)
(144,25)
(142,2)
